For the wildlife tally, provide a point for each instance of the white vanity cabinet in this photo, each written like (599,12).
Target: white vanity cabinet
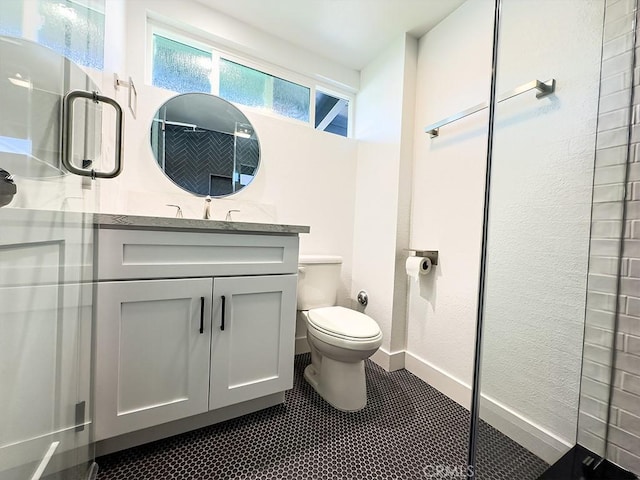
(252,343)
(166,349)
(152,353)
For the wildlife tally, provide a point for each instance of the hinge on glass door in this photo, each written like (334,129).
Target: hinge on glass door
(80,412)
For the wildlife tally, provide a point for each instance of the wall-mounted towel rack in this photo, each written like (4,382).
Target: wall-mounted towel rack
(133,93)
(544,89)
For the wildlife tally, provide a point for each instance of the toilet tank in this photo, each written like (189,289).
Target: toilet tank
(318,280)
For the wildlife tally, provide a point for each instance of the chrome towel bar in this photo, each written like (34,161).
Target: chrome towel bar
(544,89)
(133,93)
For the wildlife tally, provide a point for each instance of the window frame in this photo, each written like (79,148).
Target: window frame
(155,27)
(258,67)
(176,36)
(342,96)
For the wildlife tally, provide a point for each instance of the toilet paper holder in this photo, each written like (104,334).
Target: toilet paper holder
(430,254)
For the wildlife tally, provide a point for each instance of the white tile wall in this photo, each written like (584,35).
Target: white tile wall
(606,231)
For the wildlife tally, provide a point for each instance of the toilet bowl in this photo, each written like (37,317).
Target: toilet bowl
(340,339)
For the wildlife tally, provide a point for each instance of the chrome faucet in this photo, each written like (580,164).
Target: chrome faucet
(207,208)
(228,217)
(178,211)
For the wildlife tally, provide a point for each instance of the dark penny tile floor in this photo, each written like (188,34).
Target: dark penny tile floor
(409,430)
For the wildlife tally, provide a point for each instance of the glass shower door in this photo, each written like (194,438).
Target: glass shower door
(46,234)
(554,214)
(45,343)
(46,266)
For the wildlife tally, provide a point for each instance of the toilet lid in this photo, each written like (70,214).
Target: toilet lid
(344,322)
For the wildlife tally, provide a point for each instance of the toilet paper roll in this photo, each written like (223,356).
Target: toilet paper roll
(417,266)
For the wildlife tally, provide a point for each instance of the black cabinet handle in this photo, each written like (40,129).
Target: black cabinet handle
(222,317)
(201,314)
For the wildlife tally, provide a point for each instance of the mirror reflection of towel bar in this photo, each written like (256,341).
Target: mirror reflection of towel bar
(544,89)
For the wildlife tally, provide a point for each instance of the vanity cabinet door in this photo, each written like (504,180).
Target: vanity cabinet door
(253,337)
(152,355)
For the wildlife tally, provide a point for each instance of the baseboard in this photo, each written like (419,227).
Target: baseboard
(455,389)
(535,438)
(519,428)
(389,361)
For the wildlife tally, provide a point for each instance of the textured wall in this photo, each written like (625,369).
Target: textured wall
(606,230)
(541,193)
(454,62)
(539,226)
(383,184)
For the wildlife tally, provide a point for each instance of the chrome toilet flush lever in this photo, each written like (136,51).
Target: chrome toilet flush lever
(363,298)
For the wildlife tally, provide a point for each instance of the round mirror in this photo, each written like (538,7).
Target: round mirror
(205,145)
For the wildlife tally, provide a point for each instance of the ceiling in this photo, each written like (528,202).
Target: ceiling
(349,32)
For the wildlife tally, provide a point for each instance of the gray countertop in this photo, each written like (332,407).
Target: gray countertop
(104,220)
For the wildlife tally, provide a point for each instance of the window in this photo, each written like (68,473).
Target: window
(254,88)
(332,113)
(73,28)
(11,19)
(182,65)
(179,67)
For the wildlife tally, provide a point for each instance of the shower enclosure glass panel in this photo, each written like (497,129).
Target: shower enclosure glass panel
(540,239)
(45,270)
(34,80)
(46,253)
(73,28)
(609,422)
(45,342)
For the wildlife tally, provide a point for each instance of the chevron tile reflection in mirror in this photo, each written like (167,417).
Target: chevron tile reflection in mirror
(205,144)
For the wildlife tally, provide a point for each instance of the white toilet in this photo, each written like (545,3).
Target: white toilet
(340,339)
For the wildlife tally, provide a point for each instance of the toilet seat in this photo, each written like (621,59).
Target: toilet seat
(343,327)
(344,323)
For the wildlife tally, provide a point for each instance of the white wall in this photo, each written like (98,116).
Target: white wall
(539,225)
(232,35)
(540,213)
(454,62)
(383,128)
(305,177)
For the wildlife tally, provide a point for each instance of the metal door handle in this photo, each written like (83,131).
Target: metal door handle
(66,141)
